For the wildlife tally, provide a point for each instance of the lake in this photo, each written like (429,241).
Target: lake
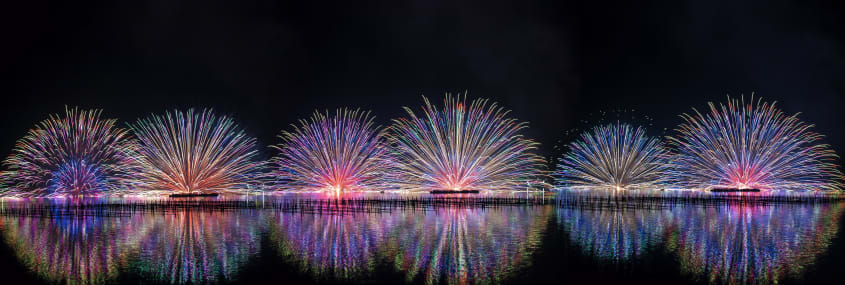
(444,243)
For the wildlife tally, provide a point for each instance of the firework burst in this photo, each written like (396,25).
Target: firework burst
(78,154)
(463,147)
(752,146)
(194,152)
(615,156)
(341,153)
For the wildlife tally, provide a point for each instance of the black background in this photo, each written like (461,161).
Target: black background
(553,63)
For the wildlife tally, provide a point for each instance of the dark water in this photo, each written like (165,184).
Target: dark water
(512,244)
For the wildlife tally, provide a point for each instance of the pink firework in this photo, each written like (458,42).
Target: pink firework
(344,152)
(752,146)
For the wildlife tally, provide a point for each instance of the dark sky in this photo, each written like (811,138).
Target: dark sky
(269,63)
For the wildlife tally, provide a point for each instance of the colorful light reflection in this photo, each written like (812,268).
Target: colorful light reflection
(198,246)
(74,249)
(761,245)
(736,244)
(613,235)
(451,245)
(177,247)
(721,244)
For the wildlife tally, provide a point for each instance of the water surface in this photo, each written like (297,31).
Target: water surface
(441,244)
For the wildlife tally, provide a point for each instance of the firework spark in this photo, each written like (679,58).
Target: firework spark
(615,156)
(463,147)
(78,154)
(194,152)
(341,153)
(752,146)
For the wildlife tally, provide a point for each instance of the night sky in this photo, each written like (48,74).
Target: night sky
(553,63)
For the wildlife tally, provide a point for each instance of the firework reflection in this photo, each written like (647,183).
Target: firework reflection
(729,244)
(614,235)
(451,245)
(198,246)
(752,244)
(74,249)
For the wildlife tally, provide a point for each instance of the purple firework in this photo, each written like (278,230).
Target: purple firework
(78,154)
(344,152)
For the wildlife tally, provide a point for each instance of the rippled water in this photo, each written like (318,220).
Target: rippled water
(698,244)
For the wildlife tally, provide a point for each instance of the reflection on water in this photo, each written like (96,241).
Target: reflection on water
(731,244)
(449,245)
(613,235)
(342,246)
(724,244)
(466,244)
(752,244)
(198,246)
(185,246)
(82,249)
